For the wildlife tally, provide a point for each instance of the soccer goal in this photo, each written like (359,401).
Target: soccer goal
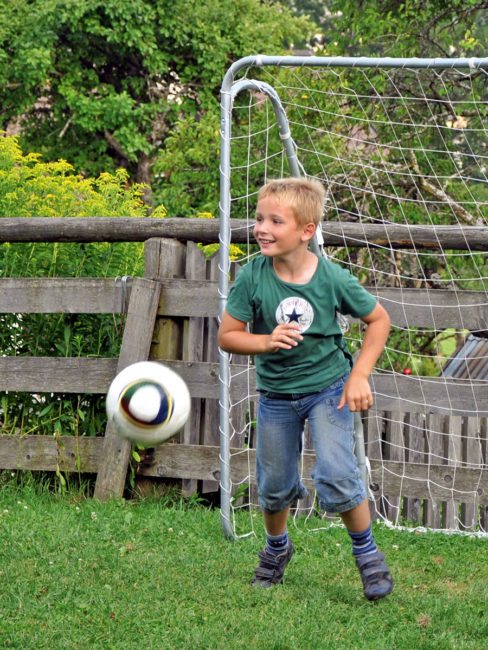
(401,146)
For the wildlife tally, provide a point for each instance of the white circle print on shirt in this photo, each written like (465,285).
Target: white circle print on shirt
(295,310)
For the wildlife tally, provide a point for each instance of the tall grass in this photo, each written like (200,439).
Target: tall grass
(76,573)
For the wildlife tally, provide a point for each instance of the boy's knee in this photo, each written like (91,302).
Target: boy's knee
(340,496)
(276,500)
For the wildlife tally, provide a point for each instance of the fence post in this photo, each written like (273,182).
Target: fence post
(136,344)
(164,259)
(194,348)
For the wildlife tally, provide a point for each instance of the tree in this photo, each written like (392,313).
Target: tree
(406,28)
(317,10)
(103,83)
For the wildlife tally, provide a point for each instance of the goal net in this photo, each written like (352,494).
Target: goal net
(401,147)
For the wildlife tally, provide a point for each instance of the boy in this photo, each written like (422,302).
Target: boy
(304,372)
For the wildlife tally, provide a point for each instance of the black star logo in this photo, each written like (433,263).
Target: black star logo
(294,317)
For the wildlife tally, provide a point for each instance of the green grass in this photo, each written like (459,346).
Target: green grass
(76,573)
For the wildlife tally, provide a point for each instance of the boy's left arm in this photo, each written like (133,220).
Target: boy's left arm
(357,392)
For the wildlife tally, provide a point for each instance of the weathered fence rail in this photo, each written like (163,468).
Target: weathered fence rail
(189,297)
(171,315)
(121,229)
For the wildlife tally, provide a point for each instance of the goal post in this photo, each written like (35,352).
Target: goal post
(401,144)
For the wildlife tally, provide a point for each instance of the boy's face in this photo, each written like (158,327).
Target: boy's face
(276,230)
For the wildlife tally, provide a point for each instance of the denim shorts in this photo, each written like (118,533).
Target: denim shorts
(279,443)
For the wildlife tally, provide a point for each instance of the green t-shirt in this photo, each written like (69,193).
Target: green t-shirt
(260,297)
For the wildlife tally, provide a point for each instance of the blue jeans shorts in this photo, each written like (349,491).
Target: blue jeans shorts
(280,425)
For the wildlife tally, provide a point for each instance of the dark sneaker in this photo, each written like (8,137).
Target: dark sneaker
(376,577)
(271,567)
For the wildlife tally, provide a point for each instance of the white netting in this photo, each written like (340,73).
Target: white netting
(404,151)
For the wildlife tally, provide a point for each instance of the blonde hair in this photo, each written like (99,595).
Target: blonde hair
(305,197)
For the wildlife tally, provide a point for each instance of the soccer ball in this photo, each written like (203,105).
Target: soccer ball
(148,403)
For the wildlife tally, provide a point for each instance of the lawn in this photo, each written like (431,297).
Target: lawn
(147,574)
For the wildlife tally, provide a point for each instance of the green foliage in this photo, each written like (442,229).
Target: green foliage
(30,187)
(314,9)
(103,83)
(187,170)
(135,83)
(407,28)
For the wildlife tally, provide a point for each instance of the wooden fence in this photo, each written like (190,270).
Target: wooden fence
(171,315)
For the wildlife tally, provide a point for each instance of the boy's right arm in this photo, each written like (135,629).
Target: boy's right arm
(233,337)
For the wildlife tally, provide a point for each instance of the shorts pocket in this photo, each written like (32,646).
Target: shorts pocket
(341,418)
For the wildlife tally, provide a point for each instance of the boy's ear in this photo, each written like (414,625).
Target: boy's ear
(309,231)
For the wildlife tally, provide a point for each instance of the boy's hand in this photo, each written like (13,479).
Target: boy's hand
(284,337)
(356,394)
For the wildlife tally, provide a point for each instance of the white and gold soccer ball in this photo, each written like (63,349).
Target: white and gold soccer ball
(148,403)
